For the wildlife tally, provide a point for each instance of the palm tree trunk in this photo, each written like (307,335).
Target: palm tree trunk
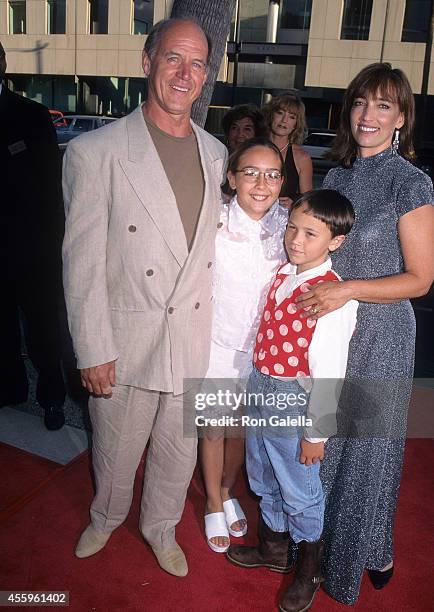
(214,16)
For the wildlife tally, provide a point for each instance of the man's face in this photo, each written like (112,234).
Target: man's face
(177,71)
(2,62)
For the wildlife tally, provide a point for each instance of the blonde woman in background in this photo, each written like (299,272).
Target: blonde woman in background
(286,122)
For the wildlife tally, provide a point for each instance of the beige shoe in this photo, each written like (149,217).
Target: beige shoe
(172,560)
(91,542)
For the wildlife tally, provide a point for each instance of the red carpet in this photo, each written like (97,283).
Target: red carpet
(38,538)
(21,473)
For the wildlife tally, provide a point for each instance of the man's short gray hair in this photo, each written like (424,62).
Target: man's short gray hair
(157,31)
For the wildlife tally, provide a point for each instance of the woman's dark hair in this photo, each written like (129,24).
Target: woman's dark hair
(290,102)
(391,84)
(330,207)
(234,158)
(244,111)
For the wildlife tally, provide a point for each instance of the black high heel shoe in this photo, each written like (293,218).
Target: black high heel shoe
(380,579)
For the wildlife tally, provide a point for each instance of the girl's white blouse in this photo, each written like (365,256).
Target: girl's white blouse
(248,253)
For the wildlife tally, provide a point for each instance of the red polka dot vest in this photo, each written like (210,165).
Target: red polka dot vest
(283,337)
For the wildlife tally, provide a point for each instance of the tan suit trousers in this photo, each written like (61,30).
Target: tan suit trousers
(122,426)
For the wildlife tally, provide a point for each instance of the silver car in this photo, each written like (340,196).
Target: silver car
(318,144)
(70,126)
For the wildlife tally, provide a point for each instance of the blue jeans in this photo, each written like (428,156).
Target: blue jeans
(291,494)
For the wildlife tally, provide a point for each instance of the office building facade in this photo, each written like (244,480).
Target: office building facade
(84,55)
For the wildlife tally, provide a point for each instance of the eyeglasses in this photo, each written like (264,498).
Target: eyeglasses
(252,175)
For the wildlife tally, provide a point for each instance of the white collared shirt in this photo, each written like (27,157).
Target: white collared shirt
(248,253)
(328,350)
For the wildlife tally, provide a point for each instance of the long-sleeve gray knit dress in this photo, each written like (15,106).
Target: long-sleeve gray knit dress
(362,468)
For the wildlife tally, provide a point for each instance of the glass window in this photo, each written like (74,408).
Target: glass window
(356,20)
(83,125)
(58,122)
(143,16)
(56,16)
(63,123)
(295,14)
(416,20)
(17,17)
(319,140)
(98,16)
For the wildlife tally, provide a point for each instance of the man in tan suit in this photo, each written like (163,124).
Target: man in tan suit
(141,200)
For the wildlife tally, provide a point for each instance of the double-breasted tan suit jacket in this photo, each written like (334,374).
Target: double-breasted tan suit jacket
(134,292)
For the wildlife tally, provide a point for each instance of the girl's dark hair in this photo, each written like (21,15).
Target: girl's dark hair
(330,207)
(288,102)
(391,84)
(243,111)
(234,158)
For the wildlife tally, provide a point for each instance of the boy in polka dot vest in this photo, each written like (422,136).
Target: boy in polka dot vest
(299,358)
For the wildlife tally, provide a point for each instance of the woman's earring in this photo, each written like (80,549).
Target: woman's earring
(395,143)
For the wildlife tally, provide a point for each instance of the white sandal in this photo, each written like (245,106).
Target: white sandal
(234,513)
(215,526)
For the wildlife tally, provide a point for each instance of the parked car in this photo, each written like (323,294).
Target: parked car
(425,160)
(424,311)
(70,126)
(318,144)
(55,114)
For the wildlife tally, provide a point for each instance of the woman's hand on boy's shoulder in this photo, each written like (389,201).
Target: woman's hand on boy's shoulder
(322,298)
(311,452)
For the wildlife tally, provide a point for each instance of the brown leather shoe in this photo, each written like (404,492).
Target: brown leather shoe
(273,551)
(308,577)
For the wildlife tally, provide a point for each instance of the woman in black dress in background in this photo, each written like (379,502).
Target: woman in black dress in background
(286,122)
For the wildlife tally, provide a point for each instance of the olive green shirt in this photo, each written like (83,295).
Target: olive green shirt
(181,162)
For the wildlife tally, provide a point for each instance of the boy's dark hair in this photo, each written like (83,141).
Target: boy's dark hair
(234,158)
(330,207)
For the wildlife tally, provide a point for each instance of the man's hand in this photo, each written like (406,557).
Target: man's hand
(311,452)
(99,379)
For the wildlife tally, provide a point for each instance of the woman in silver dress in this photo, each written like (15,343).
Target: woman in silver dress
(387,259)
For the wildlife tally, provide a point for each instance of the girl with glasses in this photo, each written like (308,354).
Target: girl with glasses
(249,249)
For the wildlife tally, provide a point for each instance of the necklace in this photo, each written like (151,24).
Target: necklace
(285,147)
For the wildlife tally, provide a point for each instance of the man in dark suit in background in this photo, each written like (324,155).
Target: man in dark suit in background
(30,252)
